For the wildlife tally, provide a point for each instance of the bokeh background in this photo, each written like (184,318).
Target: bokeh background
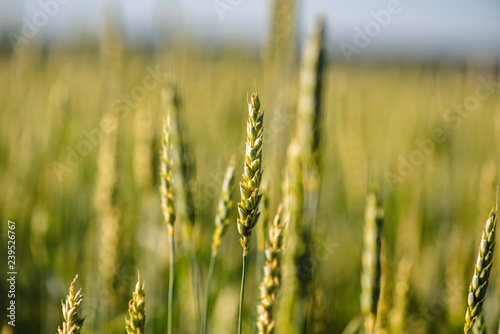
(416,104)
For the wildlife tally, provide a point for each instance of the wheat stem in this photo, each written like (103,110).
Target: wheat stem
(242,292)
(222,220)
(171,283)
(211,267)
(185,172)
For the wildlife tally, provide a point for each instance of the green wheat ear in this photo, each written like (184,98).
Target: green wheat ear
(225,207)
(479,325)
(482,269)
(271,279)
(248,208)
(73,320)
(136,309)
(370,276)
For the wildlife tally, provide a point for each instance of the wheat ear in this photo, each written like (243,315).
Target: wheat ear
(136,310)
(398,314)
(185,172)
(293,205)
(248,208)
(480,326)
(271,280)
(166,184)
(370,276)
(73,320)
(167,206)
(482,269)
(263,227)
(185,169)
(221,223)
(224,208)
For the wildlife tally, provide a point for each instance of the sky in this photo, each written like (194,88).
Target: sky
(424,28)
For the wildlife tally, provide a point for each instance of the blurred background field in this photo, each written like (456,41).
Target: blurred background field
(93,208)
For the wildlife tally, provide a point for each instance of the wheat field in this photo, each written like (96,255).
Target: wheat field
(81,133)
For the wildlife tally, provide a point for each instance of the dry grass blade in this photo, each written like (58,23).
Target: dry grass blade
(482,269)
(271,280)
(370,276)
(73,320)
(136,310)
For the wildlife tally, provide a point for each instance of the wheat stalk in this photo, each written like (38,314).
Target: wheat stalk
(136,310)
(248,208)
(370,276)
(167,206)
(271,280)
(185,183)
(73,320)
(482,269)
(221,223)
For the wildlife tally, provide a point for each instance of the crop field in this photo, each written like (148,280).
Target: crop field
(382,176)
